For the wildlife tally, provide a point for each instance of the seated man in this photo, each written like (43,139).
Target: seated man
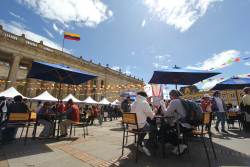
(175,107)
(142,110)
(73,116)
(17,107)
(43,119)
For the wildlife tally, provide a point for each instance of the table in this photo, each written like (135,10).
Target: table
(162,132)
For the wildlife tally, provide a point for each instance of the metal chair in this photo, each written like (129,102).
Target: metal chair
(231,117)
(35,124)
(206,120)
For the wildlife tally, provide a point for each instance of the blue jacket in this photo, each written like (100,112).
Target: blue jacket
(216,107)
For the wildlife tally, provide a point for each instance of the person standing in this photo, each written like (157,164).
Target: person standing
(219,107)
(61,107)
(105,112)
(110,111)
(246,99)
(115,112)
(206,105)
(3,109)
(25,101)
(126,105)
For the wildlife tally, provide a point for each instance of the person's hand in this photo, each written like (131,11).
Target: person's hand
(162,102)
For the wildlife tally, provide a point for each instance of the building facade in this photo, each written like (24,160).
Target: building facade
(17,54)
(229,96)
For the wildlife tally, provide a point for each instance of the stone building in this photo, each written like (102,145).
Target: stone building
(193,93)
(17,54)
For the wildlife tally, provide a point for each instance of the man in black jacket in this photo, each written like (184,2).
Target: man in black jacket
(17,107)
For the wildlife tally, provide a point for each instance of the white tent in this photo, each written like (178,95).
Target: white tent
(11,93)
(45,96)
(70,96)
(104,101)
(115,104)
(89,100)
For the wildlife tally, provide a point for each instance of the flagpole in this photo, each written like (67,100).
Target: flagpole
(63,40)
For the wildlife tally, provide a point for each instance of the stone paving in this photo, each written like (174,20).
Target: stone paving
(103,147)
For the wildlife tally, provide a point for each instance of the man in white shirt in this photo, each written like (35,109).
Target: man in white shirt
(143,110)
(175,107)
(219,107)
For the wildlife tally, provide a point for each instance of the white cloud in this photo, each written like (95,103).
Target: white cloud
(18,24)
(217,60)
(88,13)
(169,60)
(209,85)
(180,13)
(60,31)
(162,58)
(17,16)
(156,65)
(47,31)
(165,67)
(127,72)
(135,66)
(247,63)
(115,68)
(30,35)
(247,52)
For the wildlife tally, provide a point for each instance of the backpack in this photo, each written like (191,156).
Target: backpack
(194,112)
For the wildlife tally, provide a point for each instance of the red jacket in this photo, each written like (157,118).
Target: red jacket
(74,115)
(61,107)
(95,112)
(204,105)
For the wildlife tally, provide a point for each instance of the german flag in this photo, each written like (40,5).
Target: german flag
(71,36)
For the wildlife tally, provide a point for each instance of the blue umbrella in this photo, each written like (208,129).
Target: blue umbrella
(58,73)
(180,76)
(232,83)
(198,101)
(128,94)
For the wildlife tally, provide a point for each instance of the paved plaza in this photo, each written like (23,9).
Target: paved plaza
(103,147)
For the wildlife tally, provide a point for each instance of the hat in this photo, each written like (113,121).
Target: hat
(175,92)
(207,95)
(246,89)
(216,92)
(90,107)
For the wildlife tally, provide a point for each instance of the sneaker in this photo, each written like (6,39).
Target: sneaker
(62,136)
(183,149)
(216,128)
(42,136)
(146,151)
(139,147)
(224,131)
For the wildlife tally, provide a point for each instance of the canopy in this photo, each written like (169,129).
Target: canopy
(89,100)
(58,73)
(70,96)
(11,93)
(180,76)
(45,96)
(115,102)
(104,101)
(232,83)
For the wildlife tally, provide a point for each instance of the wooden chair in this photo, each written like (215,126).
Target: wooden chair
(130,118)
(206,120)
(33,116)
(16,120)
(231,117)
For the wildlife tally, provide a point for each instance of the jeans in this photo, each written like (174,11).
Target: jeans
(111,115)
(220,118)
(152,136)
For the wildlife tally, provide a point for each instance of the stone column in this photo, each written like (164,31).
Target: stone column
(13,70)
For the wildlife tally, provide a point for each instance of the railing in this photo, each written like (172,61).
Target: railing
(11,36)
(31,43)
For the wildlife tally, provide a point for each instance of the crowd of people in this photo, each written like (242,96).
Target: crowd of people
(69,113)
(147,122)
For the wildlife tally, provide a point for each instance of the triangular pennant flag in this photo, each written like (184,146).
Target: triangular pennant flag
(229,62)
(236,60)
(223,64)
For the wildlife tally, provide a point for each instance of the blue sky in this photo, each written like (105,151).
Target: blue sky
(140,36)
